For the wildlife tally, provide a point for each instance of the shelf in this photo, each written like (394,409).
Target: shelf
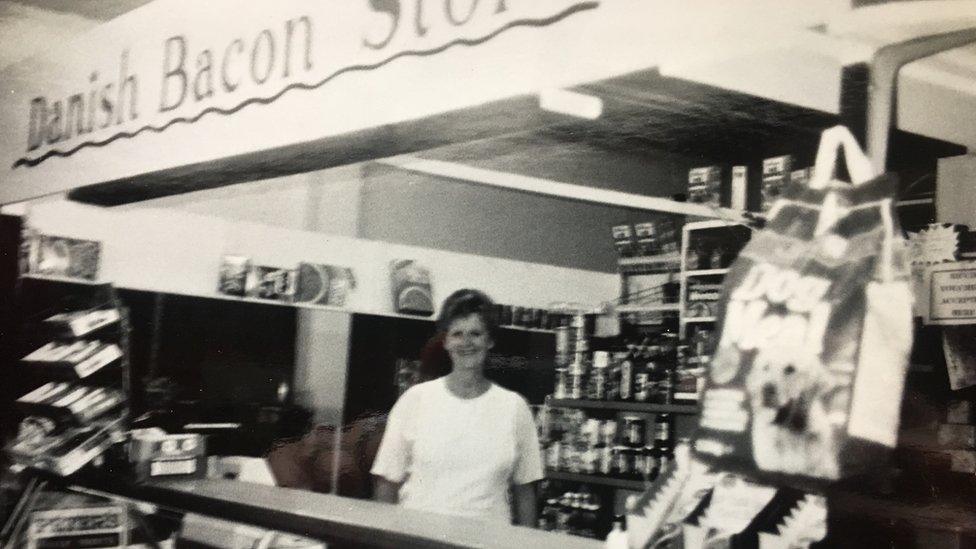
(646,407)
(699,319)
(705,272)
(652,264)
(66,279)
(521,329)
(664,308)
(602,480)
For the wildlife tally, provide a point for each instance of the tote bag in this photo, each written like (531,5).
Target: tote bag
(814,333)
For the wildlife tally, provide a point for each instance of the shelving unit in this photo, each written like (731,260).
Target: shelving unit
(643,407)
(89,317)
(692,232)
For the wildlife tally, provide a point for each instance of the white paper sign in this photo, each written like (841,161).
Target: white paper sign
(952,294)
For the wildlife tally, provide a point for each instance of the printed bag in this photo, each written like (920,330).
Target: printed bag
(815,329)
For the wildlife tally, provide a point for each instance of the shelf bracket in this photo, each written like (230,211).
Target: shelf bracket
(883,88)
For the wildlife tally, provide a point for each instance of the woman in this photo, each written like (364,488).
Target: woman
(457,444)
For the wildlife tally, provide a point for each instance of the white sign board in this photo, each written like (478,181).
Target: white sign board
(952,294)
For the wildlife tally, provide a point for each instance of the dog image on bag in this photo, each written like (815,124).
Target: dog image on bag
(791,429)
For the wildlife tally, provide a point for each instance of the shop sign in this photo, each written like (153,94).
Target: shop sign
(953,294)
(185,76)
(178,82)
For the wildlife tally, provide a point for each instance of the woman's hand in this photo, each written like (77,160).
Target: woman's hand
(526,512)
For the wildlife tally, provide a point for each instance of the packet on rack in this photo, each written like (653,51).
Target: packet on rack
(815,329)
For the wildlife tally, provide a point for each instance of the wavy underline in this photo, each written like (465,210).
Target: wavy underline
(584,6)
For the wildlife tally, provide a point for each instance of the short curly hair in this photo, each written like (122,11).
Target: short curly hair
(466,302)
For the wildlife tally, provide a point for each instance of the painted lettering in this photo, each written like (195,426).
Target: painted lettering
(203,80)
(289,33)
(37,124)
(453,18)
(229,85)
(257,73)
(392,9)
(127,83)
(171,70)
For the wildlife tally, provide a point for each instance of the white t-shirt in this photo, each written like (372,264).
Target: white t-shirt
(459,456)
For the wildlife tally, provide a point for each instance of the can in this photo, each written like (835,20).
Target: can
(562,384)
(608,432)
(606,460)
(641,386)
(517,312)
(640,461)
(564,341)
(591,431)
(575,386)
(633,434)
(626,379)
(622,461)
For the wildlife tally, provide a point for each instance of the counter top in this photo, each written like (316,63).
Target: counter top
(337,519)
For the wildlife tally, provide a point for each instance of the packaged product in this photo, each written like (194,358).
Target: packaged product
(815,328)
(410,285)
(705,185)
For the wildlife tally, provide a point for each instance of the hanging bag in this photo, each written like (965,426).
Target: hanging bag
(814,333)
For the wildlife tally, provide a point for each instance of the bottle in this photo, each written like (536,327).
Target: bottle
(617,538)
(663,439)
(627,374)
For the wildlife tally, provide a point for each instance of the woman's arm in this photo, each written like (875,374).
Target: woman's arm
(385,490)
(526,512)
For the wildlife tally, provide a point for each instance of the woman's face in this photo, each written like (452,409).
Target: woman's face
(468,342)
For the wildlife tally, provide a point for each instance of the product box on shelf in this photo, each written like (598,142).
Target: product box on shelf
(79,323)
(65,452)
(66,520)
(623,240)
(739,188)
(775,174)
(71,404)
(410,285)
(266,282)
(75,360)
(233,275)
(60,256)
(705,185)
(155,454)
(323,284)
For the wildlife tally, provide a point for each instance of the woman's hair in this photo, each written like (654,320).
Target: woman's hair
(464,303)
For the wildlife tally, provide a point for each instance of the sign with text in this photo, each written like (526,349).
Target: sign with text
(953,294)
(177,82)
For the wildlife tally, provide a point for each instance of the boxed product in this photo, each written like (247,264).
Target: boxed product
(623,240)
(71,404)
(75,360)
(79,323)
(65,452)
(739,188)
(233,275)
(410,284)
(71,521)
(647,238)
(60,256)
(705,185)
(324,284)
(801,176)
(266,282)
(776,173)
(156,454)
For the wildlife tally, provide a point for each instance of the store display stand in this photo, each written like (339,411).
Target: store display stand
(78,314)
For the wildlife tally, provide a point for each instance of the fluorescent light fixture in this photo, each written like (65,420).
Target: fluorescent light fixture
(571,103)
